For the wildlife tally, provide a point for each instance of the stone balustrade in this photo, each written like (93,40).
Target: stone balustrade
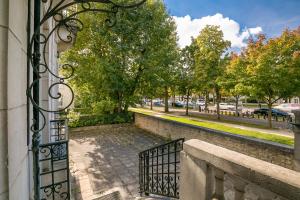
(213,172)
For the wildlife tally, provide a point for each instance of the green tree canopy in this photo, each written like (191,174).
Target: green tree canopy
(210,60)
(112,64)
(273,68)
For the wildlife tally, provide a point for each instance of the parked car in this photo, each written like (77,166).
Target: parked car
(200,102)
(190,104)
(288,107)
(157,102)
(226,106)
(275,112)
(178,104)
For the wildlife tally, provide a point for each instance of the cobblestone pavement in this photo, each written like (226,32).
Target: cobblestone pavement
(104,159)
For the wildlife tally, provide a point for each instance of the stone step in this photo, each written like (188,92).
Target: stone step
(152,198)
(111,196)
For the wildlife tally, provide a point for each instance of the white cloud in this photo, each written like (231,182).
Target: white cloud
(187,28)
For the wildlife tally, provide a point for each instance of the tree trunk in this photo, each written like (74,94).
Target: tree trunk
(119,103)
(270,113)
(151,104)
(218,99)
(187,102)
(174,99)
(126,108)
(166,99)
(214,99)
(236,105)
(259,104)
(206,100)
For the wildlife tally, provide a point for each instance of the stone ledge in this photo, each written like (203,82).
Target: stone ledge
(280,180)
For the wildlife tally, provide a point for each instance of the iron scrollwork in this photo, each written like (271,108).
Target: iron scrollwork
(63,15)
(159,169)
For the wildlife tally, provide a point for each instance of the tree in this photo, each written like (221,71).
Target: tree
(112,64)
(186,77)
(210,60)
(235,77)
(273,67)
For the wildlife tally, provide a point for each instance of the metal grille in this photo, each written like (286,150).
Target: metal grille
(54,171)
(58,130)
(159,169)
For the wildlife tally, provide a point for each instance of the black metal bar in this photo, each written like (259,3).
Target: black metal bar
(161,145)
(164,178)
(55,154)
(36,94)
(175,170)
(168,169)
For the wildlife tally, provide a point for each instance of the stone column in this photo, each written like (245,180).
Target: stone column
(194,178)
(219,184)
(296,130)
(239,188)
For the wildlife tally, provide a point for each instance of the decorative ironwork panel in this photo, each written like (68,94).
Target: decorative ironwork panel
(58,130)
(159,169)
(54,171)
(50,161)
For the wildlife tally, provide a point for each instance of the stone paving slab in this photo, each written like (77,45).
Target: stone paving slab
(106,157)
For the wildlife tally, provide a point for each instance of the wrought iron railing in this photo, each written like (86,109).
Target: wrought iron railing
(54,171)
(58,130)
(159,169)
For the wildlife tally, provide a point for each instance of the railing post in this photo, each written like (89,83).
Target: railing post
(296,130)
(141,174)
(147,173)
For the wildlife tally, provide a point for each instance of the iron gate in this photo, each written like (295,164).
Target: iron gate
(50,160)
(159,169)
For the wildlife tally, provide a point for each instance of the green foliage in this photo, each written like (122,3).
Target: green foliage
(93,120)
(210,60)
(122,62)
(273,68)
(103,107)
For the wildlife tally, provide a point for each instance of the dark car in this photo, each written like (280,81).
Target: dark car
(275,112)
(177,104)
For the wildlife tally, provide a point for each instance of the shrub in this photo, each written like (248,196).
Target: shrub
(92,120)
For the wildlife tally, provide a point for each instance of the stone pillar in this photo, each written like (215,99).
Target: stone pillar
(239,188)
(219,184)
(194,179)
(296,130)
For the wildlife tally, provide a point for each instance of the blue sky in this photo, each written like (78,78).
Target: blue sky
(271,16)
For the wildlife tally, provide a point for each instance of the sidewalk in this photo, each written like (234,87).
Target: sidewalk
(180,112)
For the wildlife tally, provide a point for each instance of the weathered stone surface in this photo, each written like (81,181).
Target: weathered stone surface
(274,153)
(105,158)
(255,178)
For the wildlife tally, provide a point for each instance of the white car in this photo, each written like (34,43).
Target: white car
(288,107)
(226,106)
(200,103)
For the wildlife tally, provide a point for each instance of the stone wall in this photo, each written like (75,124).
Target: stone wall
(210,171)
(268,151)
(14,172)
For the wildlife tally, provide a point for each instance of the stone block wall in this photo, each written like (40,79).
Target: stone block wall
(209,171)
(268,151)
(14,159)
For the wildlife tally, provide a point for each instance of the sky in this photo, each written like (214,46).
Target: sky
(238,19)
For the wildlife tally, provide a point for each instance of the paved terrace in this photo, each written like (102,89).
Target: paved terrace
(105,159)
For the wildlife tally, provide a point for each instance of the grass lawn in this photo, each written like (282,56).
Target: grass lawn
(213,118)
(215,126)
